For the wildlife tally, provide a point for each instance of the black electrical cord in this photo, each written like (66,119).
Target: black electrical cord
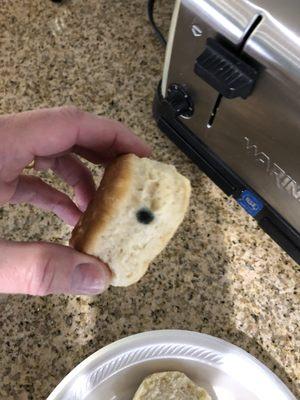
(151,19)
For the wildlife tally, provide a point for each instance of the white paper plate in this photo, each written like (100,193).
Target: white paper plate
(224,370)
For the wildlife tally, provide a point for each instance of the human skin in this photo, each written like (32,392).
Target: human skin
(52,139)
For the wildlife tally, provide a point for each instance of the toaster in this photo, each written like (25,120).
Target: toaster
(229,98)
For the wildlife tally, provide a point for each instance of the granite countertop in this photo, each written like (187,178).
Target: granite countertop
(220,275)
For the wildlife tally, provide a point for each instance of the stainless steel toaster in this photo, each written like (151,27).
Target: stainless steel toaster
(230,99)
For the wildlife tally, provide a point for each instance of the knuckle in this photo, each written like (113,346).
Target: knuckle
(40,282)
(72,112)
(61,202)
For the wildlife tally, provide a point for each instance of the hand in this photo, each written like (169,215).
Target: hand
(50,138)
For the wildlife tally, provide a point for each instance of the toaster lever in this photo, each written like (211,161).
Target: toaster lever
(225,72)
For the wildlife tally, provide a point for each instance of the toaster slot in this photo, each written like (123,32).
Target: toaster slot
(248,33)
(214,112)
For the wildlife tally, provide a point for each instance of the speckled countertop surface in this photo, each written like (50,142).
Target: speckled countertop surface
(220,275)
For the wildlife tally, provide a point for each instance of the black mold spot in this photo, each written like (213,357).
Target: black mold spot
(145,216)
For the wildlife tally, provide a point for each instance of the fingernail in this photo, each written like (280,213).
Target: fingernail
(90,279)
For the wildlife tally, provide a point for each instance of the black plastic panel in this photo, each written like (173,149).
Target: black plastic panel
(225,72)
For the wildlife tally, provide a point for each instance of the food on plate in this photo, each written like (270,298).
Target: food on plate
(171,385)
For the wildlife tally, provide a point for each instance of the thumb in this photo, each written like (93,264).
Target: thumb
(44,268)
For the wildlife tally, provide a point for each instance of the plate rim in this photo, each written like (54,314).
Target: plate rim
(159,334)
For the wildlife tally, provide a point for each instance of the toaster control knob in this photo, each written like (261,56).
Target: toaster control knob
(180,101)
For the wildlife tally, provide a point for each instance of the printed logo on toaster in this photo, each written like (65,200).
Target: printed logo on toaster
(282,179)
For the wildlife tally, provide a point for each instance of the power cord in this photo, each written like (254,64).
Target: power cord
(152,22)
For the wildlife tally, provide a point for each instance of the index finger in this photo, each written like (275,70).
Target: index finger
(49,132)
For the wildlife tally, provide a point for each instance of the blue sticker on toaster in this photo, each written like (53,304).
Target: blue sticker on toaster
(250,202)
